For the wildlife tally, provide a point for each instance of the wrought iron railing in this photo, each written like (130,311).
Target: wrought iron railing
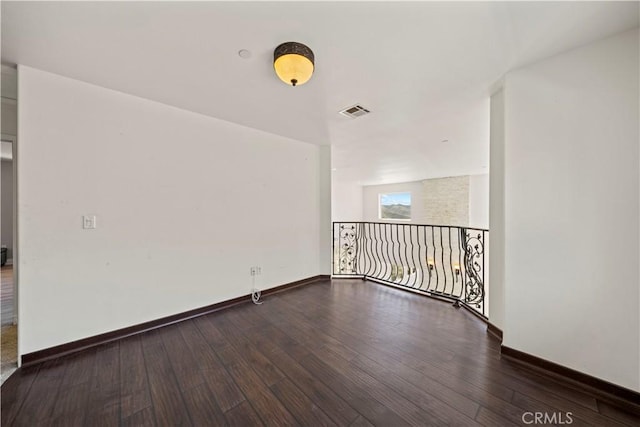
(442,261)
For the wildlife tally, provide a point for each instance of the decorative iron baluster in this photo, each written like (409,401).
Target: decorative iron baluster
(360,254)
(463,274)
(419,275)
(435,266)
(413,258)
(377,271)
(444,271)
(347,249)
(474,266)
(367,246)
(387,253)
(396,260)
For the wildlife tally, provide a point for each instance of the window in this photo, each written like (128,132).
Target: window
(395,206)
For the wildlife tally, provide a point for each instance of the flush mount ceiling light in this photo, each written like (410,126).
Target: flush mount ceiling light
(293,62)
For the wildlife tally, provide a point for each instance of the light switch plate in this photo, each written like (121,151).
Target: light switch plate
(88,222)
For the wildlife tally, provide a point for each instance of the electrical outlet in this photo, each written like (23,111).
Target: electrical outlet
(252,271)
(258,270)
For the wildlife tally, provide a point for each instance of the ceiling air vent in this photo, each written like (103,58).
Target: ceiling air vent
(354,111)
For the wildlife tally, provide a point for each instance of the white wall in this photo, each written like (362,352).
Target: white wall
(572,208)
(497,257)
(462,200)
(185,204)
(346,203)
(325,210)
(479,201)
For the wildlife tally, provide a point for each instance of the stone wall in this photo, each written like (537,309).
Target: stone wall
(446,201)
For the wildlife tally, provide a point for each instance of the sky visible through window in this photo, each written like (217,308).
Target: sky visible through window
(396,199)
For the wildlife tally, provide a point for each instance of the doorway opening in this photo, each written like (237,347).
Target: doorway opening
(8,288)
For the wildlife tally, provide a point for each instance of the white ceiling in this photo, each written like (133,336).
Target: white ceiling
(424,69)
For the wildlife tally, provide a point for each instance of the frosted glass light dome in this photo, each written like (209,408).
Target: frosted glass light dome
(293,63)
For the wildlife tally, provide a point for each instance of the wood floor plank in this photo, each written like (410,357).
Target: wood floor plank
(428,351)
(38,406)
(452,389)
(341,413)
(183,362)
(341,352)
(243,415)
(14,393)
(134,386)
(280,340)
(266,404)
(361,422)
(550,385)
(104,394)
(303,409)
(71,406)
(401,354)
(489,418)
(465,405)
(621,415)
(531,404)
(383,319)
(210,333)
(142,418)
(261,365)
(497,403)
(417,394)
(494,403)
(202,406)
(410,402)
(218,380)
(168,405)
(356,396)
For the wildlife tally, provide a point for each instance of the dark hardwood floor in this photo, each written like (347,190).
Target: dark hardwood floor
(342,353)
